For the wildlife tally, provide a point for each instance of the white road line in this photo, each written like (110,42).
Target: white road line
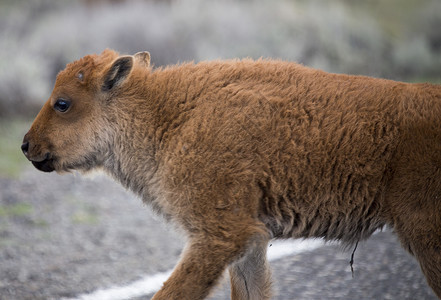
(147,285)
(280,249)
(151,283)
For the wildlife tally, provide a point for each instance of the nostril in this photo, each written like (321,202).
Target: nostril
(25,147)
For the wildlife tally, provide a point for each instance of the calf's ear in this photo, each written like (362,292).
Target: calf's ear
(117,73)
(143,58)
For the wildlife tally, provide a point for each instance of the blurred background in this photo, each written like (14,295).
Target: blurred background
(395,39)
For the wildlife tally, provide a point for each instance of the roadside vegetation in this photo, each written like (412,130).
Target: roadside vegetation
(12,159)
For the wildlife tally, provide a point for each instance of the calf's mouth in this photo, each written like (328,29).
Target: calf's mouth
(46,165)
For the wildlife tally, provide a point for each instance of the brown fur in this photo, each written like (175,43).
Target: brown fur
(239,152)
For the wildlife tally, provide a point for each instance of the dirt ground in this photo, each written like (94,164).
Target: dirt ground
(65,235)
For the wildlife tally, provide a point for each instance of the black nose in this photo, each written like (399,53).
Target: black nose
(25,148)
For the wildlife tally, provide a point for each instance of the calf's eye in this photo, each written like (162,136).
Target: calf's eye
(61,105)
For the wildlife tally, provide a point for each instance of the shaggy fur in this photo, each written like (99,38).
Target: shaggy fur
(239,152)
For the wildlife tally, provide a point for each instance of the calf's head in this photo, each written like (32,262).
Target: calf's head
(73,129)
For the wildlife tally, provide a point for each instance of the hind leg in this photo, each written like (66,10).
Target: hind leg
(250,276)
(428,253)
(422,238)
(413,203)
(417,222)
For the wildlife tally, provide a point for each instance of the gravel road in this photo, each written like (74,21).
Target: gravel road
(62,236)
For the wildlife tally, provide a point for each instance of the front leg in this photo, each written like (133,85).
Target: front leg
(204,260)
(250,276)
(199,269)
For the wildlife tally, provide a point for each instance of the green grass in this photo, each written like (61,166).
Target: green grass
(85,218)
(12,160)
(83,213)
(19,209)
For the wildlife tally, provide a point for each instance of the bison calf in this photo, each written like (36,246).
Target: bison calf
(240,152)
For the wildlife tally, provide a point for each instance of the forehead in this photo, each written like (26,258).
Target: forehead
(83,72)
(85,64)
